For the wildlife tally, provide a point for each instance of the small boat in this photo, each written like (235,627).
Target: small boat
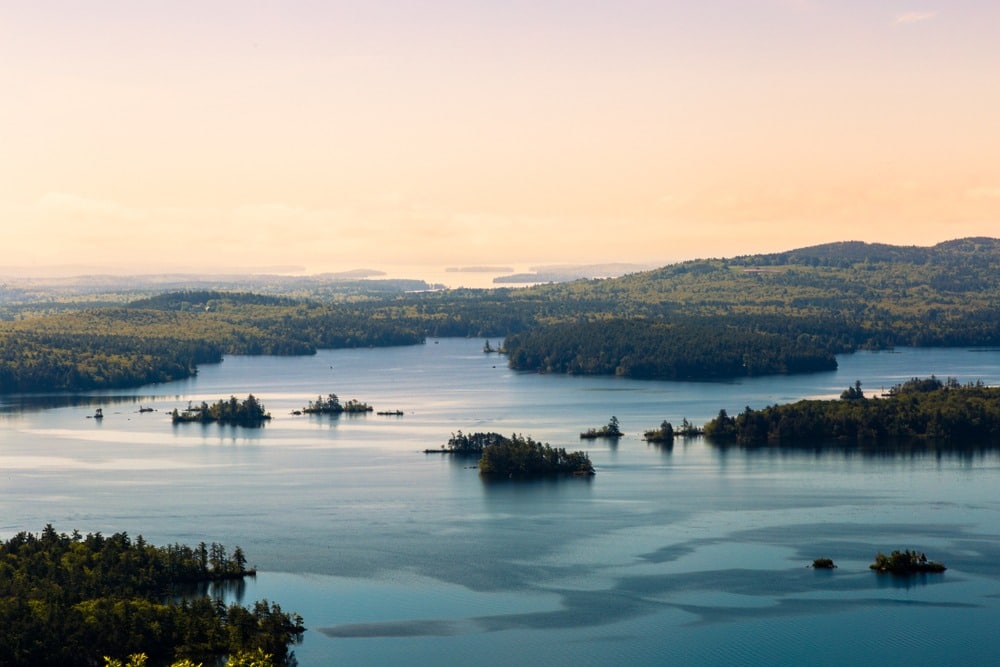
(98,414)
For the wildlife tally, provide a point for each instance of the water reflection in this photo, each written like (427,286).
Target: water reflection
(506,485)
(665,446)
(909,581)
(916,450)
(18,403)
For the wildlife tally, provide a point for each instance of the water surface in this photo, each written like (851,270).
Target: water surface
(686,554)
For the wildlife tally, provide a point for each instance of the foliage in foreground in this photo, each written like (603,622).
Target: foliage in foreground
(257,658)
(71,600)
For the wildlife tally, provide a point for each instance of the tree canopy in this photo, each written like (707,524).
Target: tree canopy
(72,599)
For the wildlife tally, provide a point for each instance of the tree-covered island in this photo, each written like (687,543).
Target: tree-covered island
(71,600)
(663,434)
(918,412)
(905,563)
(610,430)
(331,405)
(469,444)
(516,456)
(248,413)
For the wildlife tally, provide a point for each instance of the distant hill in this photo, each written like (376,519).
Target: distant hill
(788,312)
(846,253)
(766,313)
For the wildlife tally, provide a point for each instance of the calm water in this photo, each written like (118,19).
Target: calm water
(683,555)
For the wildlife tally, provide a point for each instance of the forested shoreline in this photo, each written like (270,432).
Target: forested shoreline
(924,412)
(703,319)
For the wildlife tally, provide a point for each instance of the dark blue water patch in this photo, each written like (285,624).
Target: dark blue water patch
(396,629)
(579,609)
(709,615)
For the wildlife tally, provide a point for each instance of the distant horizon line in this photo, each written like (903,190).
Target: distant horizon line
(67,271)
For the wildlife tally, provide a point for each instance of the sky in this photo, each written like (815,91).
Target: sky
(329,135)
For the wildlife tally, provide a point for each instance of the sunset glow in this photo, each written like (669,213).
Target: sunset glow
(329,136)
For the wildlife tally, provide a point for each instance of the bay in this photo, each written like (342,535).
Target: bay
(690,554)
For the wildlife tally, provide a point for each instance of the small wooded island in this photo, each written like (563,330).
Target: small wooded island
(905,563)
(666,432)
(249,413)
(516,457)
(921,412)
(331,405)
(72,600)
(663,434)
(610,430)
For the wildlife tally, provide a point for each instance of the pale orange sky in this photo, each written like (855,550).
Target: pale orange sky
(170,135)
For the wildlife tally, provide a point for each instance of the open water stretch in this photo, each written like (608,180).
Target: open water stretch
(688,554)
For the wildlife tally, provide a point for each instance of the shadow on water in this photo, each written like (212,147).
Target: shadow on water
(226,590)
(664,447)
(909,581)
(913,450)
(17,403)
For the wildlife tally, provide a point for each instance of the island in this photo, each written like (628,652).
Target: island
(663,434)
(522,457)
(73,600)
(331,405)
(905,563)
(471,444)
(609,430)
(823,564)
(248,413)
(516,456)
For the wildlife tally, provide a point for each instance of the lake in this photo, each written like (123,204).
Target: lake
(688,554)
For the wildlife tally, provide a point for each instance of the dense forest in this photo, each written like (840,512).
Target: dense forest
(778,313)
(167,337)
(642,348)
(920,412)
(522,457)
(71,600)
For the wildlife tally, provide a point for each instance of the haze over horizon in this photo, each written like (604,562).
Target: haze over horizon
(223,136)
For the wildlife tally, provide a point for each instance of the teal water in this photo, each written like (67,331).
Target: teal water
(686,555)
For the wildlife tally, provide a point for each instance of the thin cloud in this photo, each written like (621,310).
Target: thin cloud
(913,17)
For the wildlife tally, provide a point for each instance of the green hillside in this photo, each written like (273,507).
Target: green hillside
(788,312)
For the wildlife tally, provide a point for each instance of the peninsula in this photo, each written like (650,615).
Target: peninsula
(920,412)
